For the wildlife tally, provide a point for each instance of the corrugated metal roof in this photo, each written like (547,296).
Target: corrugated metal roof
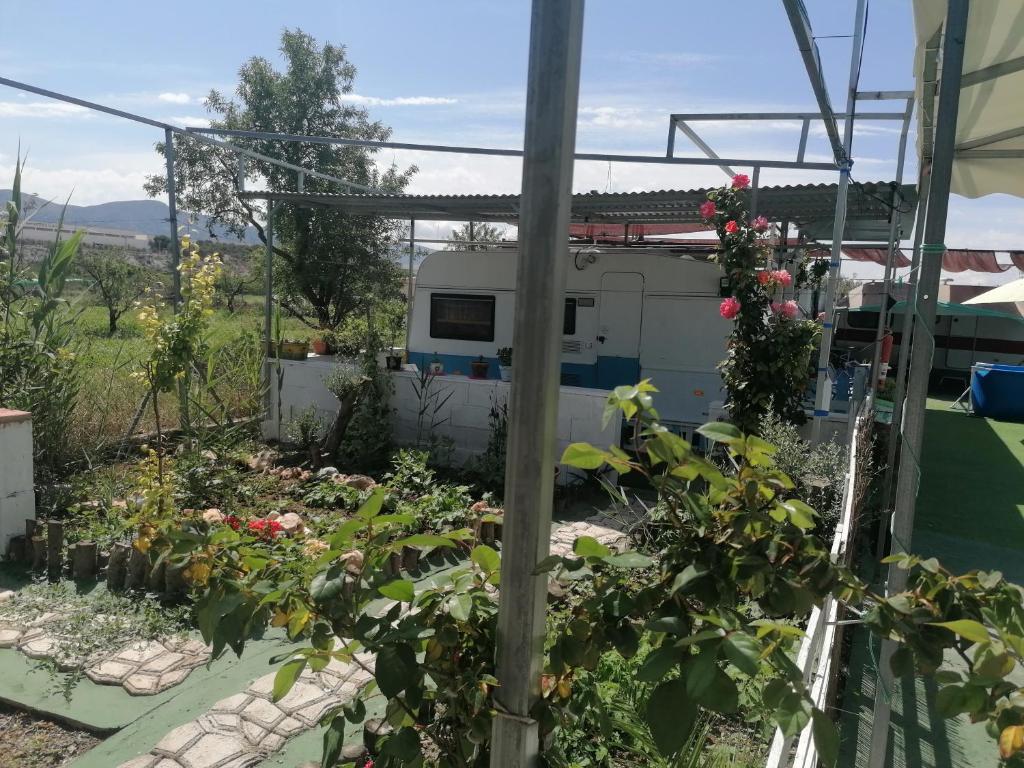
(810,206)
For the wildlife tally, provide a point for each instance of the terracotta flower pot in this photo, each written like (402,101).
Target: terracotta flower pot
(320,347)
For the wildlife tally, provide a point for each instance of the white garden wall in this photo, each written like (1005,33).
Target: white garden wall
(17,496)
(464,416)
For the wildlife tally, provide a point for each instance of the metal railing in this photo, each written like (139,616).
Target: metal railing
(818,656)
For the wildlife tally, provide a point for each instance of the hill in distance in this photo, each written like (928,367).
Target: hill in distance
(146,216)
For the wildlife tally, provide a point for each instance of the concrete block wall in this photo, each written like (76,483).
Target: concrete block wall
(463,412)
(17,494)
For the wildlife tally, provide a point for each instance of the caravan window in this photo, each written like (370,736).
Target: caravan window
(569,318)
(467,317)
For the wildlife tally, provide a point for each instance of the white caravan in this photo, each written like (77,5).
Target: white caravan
(630,314)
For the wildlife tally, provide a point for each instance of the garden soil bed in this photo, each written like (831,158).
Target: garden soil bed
(27,741)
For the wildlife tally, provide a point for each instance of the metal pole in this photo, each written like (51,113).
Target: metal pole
(268,307)
(755,185)
(932,252)
(408,287)
(172,216)
(556,36)
(839,226)
(876,357)
(923,187)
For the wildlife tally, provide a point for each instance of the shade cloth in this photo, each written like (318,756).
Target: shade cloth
(1008,292)
(947,308)
(997,391)
(876,255)
(990,115)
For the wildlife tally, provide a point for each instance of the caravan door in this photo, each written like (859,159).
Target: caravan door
(618,332)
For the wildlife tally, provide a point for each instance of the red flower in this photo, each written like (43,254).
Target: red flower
(266,528)
(760,224)
(740,181)
(233,521)
(707,209)
(729,308)
(732,227)
(764,277)
(783,277)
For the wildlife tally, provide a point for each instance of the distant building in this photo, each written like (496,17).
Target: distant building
(120,238)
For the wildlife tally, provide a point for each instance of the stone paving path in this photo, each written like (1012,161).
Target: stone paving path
(243,730)
(564,537)
(142,668)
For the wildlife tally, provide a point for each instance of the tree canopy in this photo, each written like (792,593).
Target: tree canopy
(328,264)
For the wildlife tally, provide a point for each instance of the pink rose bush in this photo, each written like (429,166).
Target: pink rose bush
(732,227)
(740,181)
(707,209)
(760,224)
(729,308)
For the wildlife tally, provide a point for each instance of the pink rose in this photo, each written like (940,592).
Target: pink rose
(821,317)
(764,277)
(790,309)
(707,209)
(760,224)
(740,181)
(732,227)
(729,308)
(776,307)
(783,277)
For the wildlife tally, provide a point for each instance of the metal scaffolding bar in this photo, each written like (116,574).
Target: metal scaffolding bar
(556,36)
(731,116)
(181,131)
(408,287)
(172,218)
(812,63)
(923,347)
(693,136)
(822,398)
(876,357)
(668,159)
(268,310)
(990,73)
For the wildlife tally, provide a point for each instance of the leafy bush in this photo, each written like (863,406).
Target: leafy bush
(489,467)
(367,444)
(818,470)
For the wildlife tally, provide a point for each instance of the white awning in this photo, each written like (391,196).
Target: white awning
(990,127)
(1008,292)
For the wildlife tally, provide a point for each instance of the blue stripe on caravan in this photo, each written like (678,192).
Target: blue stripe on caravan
(575,374)
(827,325)
(819,412)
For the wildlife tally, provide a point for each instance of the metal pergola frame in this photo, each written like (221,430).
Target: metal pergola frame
(544,212)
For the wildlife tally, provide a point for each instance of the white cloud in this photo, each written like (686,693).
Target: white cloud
(400,101)
(174,98)
(189,120)
(618,118)
(42,109)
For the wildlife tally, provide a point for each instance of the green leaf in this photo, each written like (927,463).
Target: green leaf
(826,738)
(793,713)
(720,694)
(629,560)
(334,741)
(371,507)
(587,546)
(401,590)
(486,558)
(342,537)
(670,716)
(405,745)
(689,574)
(460,606)
(965,628)
(286,677)
(658,664)
(673,625)
(699,672)
(584,456)
(743,651)
(395,669)
(721,432)
(422,540)
(800,514)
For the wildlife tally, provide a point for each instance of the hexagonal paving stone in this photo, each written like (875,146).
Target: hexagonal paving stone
(9,637)
(180,738)
(235,703)
(218,750)
(263,713)
(109,672)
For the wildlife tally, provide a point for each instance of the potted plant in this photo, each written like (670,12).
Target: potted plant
(325,344)
(436,366)
(479,368)
(505,363)
(393,360)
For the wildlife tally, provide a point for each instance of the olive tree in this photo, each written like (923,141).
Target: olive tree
(328,264)
(116,281)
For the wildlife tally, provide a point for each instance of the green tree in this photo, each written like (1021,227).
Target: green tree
(116,281)
(239,278)
(481,233)
(328,264)
(160,243)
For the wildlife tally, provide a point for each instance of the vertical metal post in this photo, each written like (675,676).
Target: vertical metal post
(839,227)
(240,173)
(300,182)
(923,186)
(923,348)
(268,311)
(556,36)
(876,357)
(172,215)
(408,287)
(755,184)
(670,145)
(471,232)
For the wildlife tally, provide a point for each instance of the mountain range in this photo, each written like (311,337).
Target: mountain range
(146,216)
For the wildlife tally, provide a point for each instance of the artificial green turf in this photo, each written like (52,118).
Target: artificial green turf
(970,505)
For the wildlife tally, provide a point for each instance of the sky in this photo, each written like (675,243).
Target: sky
(454,72)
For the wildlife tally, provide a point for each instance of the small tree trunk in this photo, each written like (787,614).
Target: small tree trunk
(332,440)
(54,550)
(83,560)
(38,553)
(116,567)
(112,317)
